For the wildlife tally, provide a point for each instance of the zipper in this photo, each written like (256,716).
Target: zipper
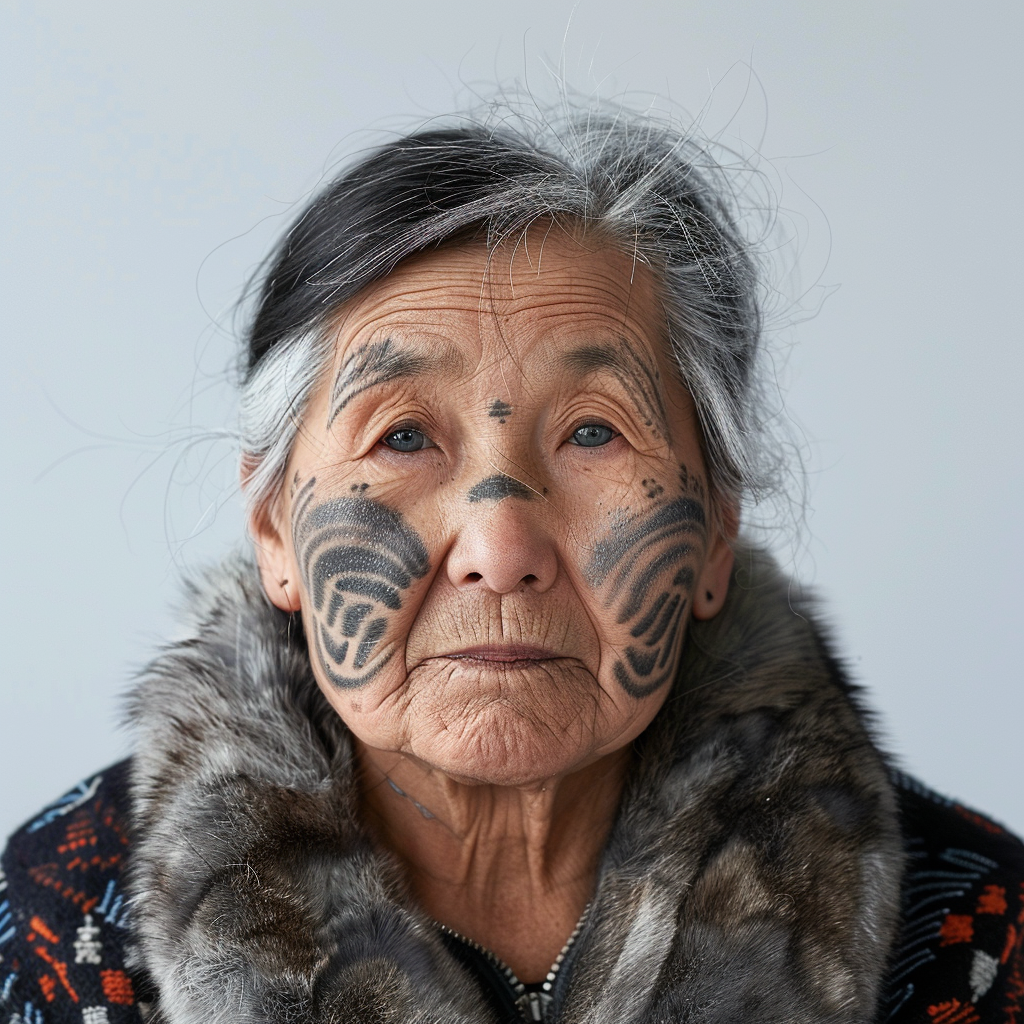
(533,1006)
(517,987)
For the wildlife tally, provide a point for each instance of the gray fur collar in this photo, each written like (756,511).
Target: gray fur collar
(752,875)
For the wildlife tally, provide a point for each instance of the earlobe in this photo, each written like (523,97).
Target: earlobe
(273,556)
(712,586)
(283,593)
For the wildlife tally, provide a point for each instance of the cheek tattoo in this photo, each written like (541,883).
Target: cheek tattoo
(648,563)
(357,557)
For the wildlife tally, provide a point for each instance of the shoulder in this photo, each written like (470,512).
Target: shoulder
(960,955)
(63,913)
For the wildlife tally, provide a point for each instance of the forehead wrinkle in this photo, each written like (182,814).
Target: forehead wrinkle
(596,356)
(541,314)
(516,360)
(497,320)
(509,348)
(428,354)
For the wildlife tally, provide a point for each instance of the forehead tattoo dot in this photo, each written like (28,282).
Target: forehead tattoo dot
(499,410)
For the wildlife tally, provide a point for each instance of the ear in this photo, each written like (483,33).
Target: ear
(713,582)
(274,556)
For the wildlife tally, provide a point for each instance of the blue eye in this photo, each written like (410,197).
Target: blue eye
(592,435)
(407,439)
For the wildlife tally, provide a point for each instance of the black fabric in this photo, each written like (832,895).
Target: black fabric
(62,951)
(496,987)
(63,923)
(959,957)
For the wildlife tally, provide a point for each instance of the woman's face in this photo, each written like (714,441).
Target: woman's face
(496,523)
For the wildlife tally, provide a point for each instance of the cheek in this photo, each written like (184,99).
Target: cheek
(358,560)
(642,572)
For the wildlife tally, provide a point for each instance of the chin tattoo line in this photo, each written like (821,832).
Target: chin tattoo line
(419,807)
(647,565)
(357,558)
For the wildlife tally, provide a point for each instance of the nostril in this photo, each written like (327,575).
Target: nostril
(503,560)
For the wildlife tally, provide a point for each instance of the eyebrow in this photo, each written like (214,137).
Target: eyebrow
(377,363)
(639,379)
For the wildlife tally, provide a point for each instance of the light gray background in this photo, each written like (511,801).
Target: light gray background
(152,151)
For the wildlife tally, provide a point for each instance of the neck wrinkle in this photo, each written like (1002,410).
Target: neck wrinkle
(510,868)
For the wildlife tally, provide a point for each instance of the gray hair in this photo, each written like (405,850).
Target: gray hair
(641,182)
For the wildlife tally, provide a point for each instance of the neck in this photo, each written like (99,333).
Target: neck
(510,867)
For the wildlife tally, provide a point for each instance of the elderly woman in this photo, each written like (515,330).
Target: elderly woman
(502,721)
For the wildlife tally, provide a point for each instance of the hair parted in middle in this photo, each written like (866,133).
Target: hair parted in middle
(638,182)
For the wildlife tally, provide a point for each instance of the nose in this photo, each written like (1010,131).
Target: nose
(504,543)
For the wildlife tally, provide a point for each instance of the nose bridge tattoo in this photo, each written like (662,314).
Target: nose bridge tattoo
(648,563)
(498,487)
(357,558)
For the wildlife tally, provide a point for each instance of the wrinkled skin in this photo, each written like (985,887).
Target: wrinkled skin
(496,528)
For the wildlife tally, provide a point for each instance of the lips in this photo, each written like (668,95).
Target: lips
(505,653)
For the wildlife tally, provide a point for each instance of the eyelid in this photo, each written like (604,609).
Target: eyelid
(574,440)
(593,421)
(406,425)
(596,407)
(407,422)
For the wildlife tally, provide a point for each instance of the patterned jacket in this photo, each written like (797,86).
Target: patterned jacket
(196,929)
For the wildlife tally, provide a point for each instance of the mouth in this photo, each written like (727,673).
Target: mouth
(505,654)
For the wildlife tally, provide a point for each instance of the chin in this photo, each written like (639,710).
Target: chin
(506,729)
(500,753)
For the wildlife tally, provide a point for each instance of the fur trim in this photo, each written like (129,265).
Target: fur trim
(753,872)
